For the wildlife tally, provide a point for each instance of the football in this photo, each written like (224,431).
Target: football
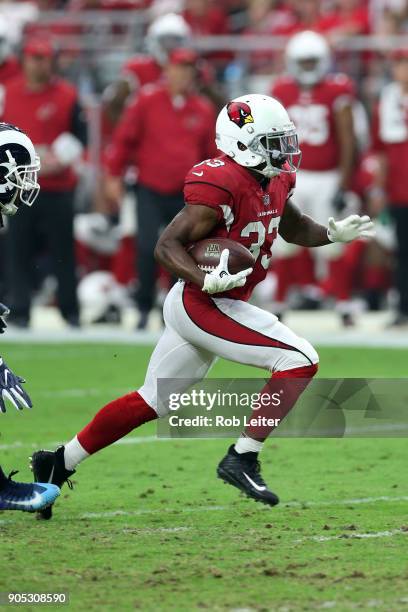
(206,253)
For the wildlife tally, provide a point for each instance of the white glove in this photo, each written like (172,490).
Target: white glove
(220,280)
(351,228)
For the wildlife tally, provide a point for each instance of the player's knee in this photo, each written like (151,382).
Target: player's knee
(313,355)
(305,356)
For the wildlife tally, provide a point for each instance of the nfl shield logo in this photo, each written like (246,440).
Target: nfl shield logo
(266,199)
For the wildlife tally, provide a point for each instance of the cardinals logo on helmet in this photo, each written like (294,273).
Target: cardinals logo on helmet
(240,113)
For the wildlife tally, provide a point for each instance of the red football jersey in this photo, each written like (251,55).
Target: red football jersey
(312,110)
(141,70)
(247,213)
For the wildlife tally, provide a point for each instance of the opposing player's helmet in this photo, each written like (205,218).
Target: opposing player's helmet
(19,166)
(256,132)
(166,33)
(308,57)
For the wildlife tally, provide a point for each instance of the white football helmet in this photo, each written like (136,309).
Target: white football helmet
(256,132)
(19,166)
(166,33)
(308,46)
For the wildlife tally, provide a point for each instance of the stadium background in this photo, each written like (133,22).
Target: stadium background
(241,45)
(147,525)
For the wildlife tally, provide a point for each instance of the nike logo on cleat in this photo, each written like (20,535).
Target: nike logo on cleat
(256,486)
(28,502)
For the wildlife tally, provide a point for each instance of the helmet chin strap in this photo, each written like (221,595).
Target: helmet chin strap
(268,171)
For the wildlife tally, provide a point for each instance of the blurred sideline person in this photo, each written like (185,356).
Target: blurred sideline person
(321,106)
(163,133)
(9,69)
(9,64)
(47,107)
(18,185)
(164,34)
(390,142)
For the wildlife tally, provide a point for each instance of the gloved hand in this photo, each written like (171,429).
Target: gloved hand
(4,312)
(350,228)
(10,388)
(220,280)
(340,201)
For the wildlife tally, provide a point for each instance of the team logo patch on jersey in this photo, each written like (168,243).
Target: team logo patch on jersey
(240,113)
(266,199)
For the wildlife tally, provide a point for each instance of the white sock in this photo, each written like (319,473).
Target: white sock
(74,453)
(248,445)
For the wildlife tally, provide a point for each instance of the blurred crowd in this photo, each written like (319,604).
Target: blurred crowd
(120,99)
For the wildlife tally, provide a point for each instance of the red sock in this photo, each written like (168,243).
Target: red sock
(114,421)
(289,384)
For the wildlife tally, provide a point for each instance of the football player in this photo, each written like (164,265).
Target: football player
(245,194)
(321,105)
(164,34)
(19,166)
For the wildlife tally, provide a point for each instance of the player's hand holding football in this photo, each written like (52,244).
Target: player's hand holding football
(11,389)
(220,280)
(351,228)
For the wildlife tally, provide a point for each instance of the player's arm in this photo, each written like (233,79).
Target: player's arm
(344,126)
(345,133)
(377,196)
(194,223)
(300,229)
(191,224)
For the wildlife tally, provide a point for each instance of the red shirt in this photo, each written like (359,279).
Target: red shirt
(355,22)
(247,213)
(9,69)
(163,138)
(213,22)
(141,70)
(43,115)
(396,154)
(313,112)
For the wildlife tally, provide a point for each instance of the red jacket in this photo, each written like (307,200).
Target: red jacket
(9,69)
(44,115)
(163,138)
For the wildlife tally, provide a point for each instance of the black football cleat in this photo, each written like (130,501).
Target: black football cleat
(243,471)
(49,466)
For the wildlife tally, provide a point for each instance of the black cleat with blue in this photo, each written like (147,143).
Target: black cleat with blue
(243,471)
(26,497)
(49,466)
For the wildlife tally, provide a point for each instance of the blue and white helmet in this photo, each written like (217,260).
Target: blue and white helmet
(19,167)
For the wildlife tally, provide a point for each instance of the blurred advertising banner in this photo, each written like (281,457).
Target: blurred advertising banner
(327,408)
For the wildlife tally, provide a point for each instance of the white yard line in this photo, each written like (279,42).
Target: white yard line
(122,441)
(357,536)
(333,337)
(293,504)
(114,513)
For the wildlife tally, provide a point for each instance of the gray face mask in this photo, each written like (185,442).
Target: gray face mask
(280,151)
(20,181)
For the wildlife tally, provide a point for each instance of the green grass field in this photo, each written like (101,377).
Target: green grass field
(182,540)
